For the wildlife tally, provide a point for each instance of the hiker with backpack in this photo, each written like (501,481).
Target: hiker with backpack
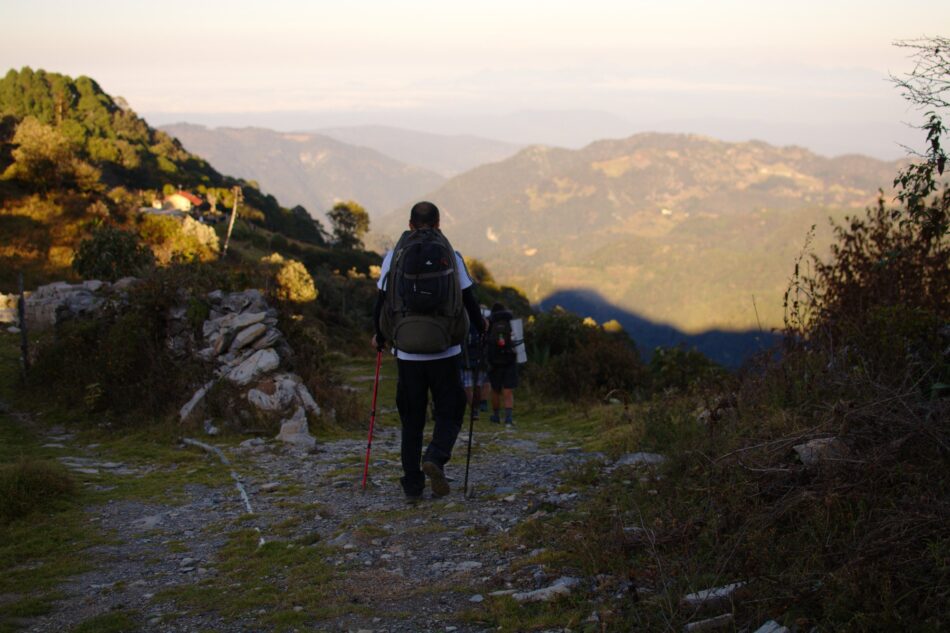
(423,309)
(502,356)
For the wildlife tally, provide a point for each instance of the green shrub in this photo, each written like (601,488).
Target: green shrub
(118,362)
(575,359)
(294,283)
(111,253)
(680,368)
(31,484)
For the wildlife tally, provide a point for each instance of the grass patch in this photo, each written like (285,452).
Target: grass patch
(29,485)
(113,622)
(275,578)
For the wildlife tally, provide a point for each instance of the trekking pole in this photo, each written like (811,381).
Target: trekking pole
(476,402)
(372,415)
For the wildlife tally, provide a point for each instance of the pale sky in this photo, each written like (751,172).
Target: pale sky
(807,72)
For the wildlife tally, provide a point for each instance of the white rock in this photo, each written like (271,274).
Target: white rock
(268,340)
(243,320)
(126,282)
(772,627)
(247,336)
(210,428)
(196,399)
(12,329)
(258,364)
(468,565)
(307,400)
(561,587)
(640,459)
(716,596)
(283,397)
(295,431)
(815,452)
(270,486)
(477,598)
(718,622)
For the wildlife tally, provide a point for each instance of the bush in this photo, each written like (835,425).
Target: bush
(31,484)
(680,369)
(111,253)
(174,239)
(577,360)
(294,283)
(119,362)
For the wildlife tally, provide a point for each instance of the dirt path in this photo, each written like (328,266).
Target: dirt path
(335,558)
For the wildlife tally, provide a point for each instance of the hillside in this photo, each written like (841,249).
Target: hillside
(72,157)
(677,229)
(444,154)
(312,170)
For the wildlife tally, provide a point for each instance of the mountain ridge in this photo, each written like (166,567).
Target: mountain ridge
(679,228)
(306,168)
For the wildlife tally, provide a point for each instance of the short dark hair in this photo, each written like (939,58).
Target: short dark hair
(424,214)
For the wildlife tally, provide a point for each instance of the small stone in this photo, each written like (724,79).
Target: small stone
(186,562)
(155,621)
(772,627)
(270,486)
(509,498)
(86,471)
(477,598)
(13,329)
(719,622)
(298,609)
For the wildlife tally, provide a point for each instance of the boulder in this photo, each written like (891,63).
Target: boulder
(247,336)
(561,587)
(307,400)
(259,363)
(826,449)
(279,394)
(714,597)
(295,431)
(270,338)
(243,320)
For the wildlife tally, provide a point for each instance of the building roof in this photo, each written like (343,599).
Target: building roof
(190,197)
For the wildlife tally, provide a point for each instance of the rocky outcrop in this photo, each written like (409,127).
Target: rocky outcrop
(61,301)
(241,337)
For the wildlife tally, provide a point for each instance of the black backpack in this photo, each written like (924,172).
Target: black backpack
(423,312)
(500,348)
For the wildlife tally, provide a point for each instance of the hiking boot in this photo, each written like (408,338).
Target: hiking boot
(440,485)
(509,422)
(495,419)
(413,499)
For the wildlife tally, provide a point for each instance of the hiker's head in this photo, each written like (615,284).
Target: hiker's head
(498,307)
(424,215)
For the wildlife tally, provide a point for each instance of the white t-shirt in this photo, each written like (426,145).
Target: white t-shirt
(466,281)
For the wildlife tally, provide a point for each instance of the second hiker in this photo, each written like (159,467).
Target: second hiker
(424,306)
(502,359)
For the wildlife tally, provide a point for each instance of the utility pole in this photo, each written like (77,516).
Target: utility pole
(24,338)
(238,196)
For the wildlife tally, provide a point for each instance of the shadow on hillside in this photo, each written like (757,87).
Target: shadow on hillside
(729,349)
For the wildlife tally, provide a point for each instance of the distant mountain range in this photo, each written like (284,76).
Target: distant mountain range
(681,230)
(447,155)
(308,169)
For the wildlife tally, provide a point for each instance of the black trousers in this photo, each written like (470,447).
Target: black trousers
(443,378)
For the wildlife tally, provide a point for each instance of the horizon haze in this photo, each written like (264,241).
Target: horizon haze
(810,74)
